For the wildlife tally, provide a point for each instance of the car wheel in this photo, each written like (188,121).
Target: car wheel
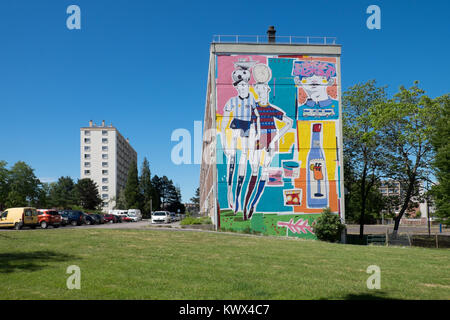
(18,226)
(44,225)
(73,222)
(88,222)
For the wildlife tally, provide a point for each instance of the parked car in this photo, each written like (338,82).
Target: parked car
(134,214)
(64,218)
(127,219)
(161,217)
(89,219)
(173,217)
(48,217)
(19,217)
(74,217)
(111,218)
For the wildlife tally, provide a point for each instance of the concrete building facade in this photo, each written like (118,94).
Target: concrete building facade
(272,140)
(105,157)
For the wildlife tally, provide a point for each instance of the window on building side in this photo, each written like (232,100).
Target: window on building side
(87,140)
(104,171)
(104,140)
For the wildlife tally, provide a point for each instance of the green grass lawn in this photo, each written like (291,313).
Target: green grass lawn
(156,264)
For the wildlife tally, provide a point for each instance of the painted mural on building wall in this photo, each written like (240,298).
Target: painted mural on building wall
(277,142)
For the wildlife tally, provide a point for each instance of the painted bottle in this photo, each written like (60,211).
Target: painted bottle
(317,195)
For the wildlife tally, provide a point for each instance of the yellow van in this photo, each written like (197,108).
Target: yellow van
(19,217)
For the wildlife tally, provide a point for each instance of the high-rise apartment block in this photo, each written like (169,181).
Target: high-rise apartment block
(272,145)
(105,158)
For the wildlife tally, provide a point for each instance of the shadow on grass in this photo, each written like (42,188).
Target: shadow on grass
(376,295)
(30,261)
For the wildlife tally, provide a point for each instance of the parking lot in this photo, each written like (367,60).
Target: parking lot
(146,223)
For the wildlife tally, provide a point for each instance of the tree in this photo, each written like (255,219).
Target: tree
(174,199)
(146,187)
(23,185)
(4,184)
(62,193)
(361,145)
(196,199)
(405,124)
(132,194)
(121,202)
(87,194)
(441,164)
(157,186)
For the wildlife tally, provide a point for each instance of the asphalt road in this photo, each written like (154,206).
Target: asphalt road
(124,225)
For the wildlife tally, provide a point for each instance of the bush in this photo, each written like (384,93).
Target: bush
(328,226)
(200,220)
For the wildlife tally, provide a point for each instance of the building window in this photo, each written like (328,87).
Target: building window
(104,140)
(87,164)
(87,140)
(105,156)
(104,148)
(105,164)
(104,132)
(87,172)
(105,188)
(87,156)
(87,148)
(104,196)
(87,133)
(104,180)
(104,171)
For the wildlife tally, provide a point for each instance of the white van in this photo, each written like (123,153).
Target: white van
(134,214)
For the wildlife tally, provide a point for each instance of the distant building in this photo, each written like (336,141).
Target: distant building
(192,208)
(105,157)
(393,188)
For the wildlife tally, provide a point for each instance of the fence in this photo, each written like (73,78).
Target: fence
(401,239)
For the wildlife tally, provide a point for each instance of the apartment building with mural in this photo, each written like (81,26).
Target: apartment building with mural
(105,157)
(272,141)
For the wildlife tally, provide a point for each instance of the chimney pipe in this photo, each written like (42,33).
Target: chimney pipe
(271,34)
(90,123)
(103,123)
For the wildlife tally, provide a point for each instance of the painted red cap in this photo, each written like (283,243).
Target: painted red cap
(317,127)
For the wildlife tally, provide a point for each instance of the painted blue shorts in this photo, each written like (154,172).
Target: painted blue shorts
(243,125)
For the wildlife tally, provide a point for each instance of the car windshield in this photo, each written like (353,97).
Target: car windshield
(132,214)
(159,213)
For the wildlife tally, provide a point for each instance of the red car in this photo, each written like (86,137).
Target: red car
(110,218)
(126,219)
(48,217)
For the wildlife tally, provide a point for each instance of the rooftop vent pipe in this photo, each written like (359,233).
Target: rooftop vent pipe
(271,34)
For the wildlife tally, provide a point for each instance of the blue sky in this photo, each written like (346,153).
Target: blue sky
(142,66)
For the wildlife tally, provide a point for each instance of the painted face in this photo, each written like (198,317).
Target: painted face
(315,84)
(262,90)
(243,89)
